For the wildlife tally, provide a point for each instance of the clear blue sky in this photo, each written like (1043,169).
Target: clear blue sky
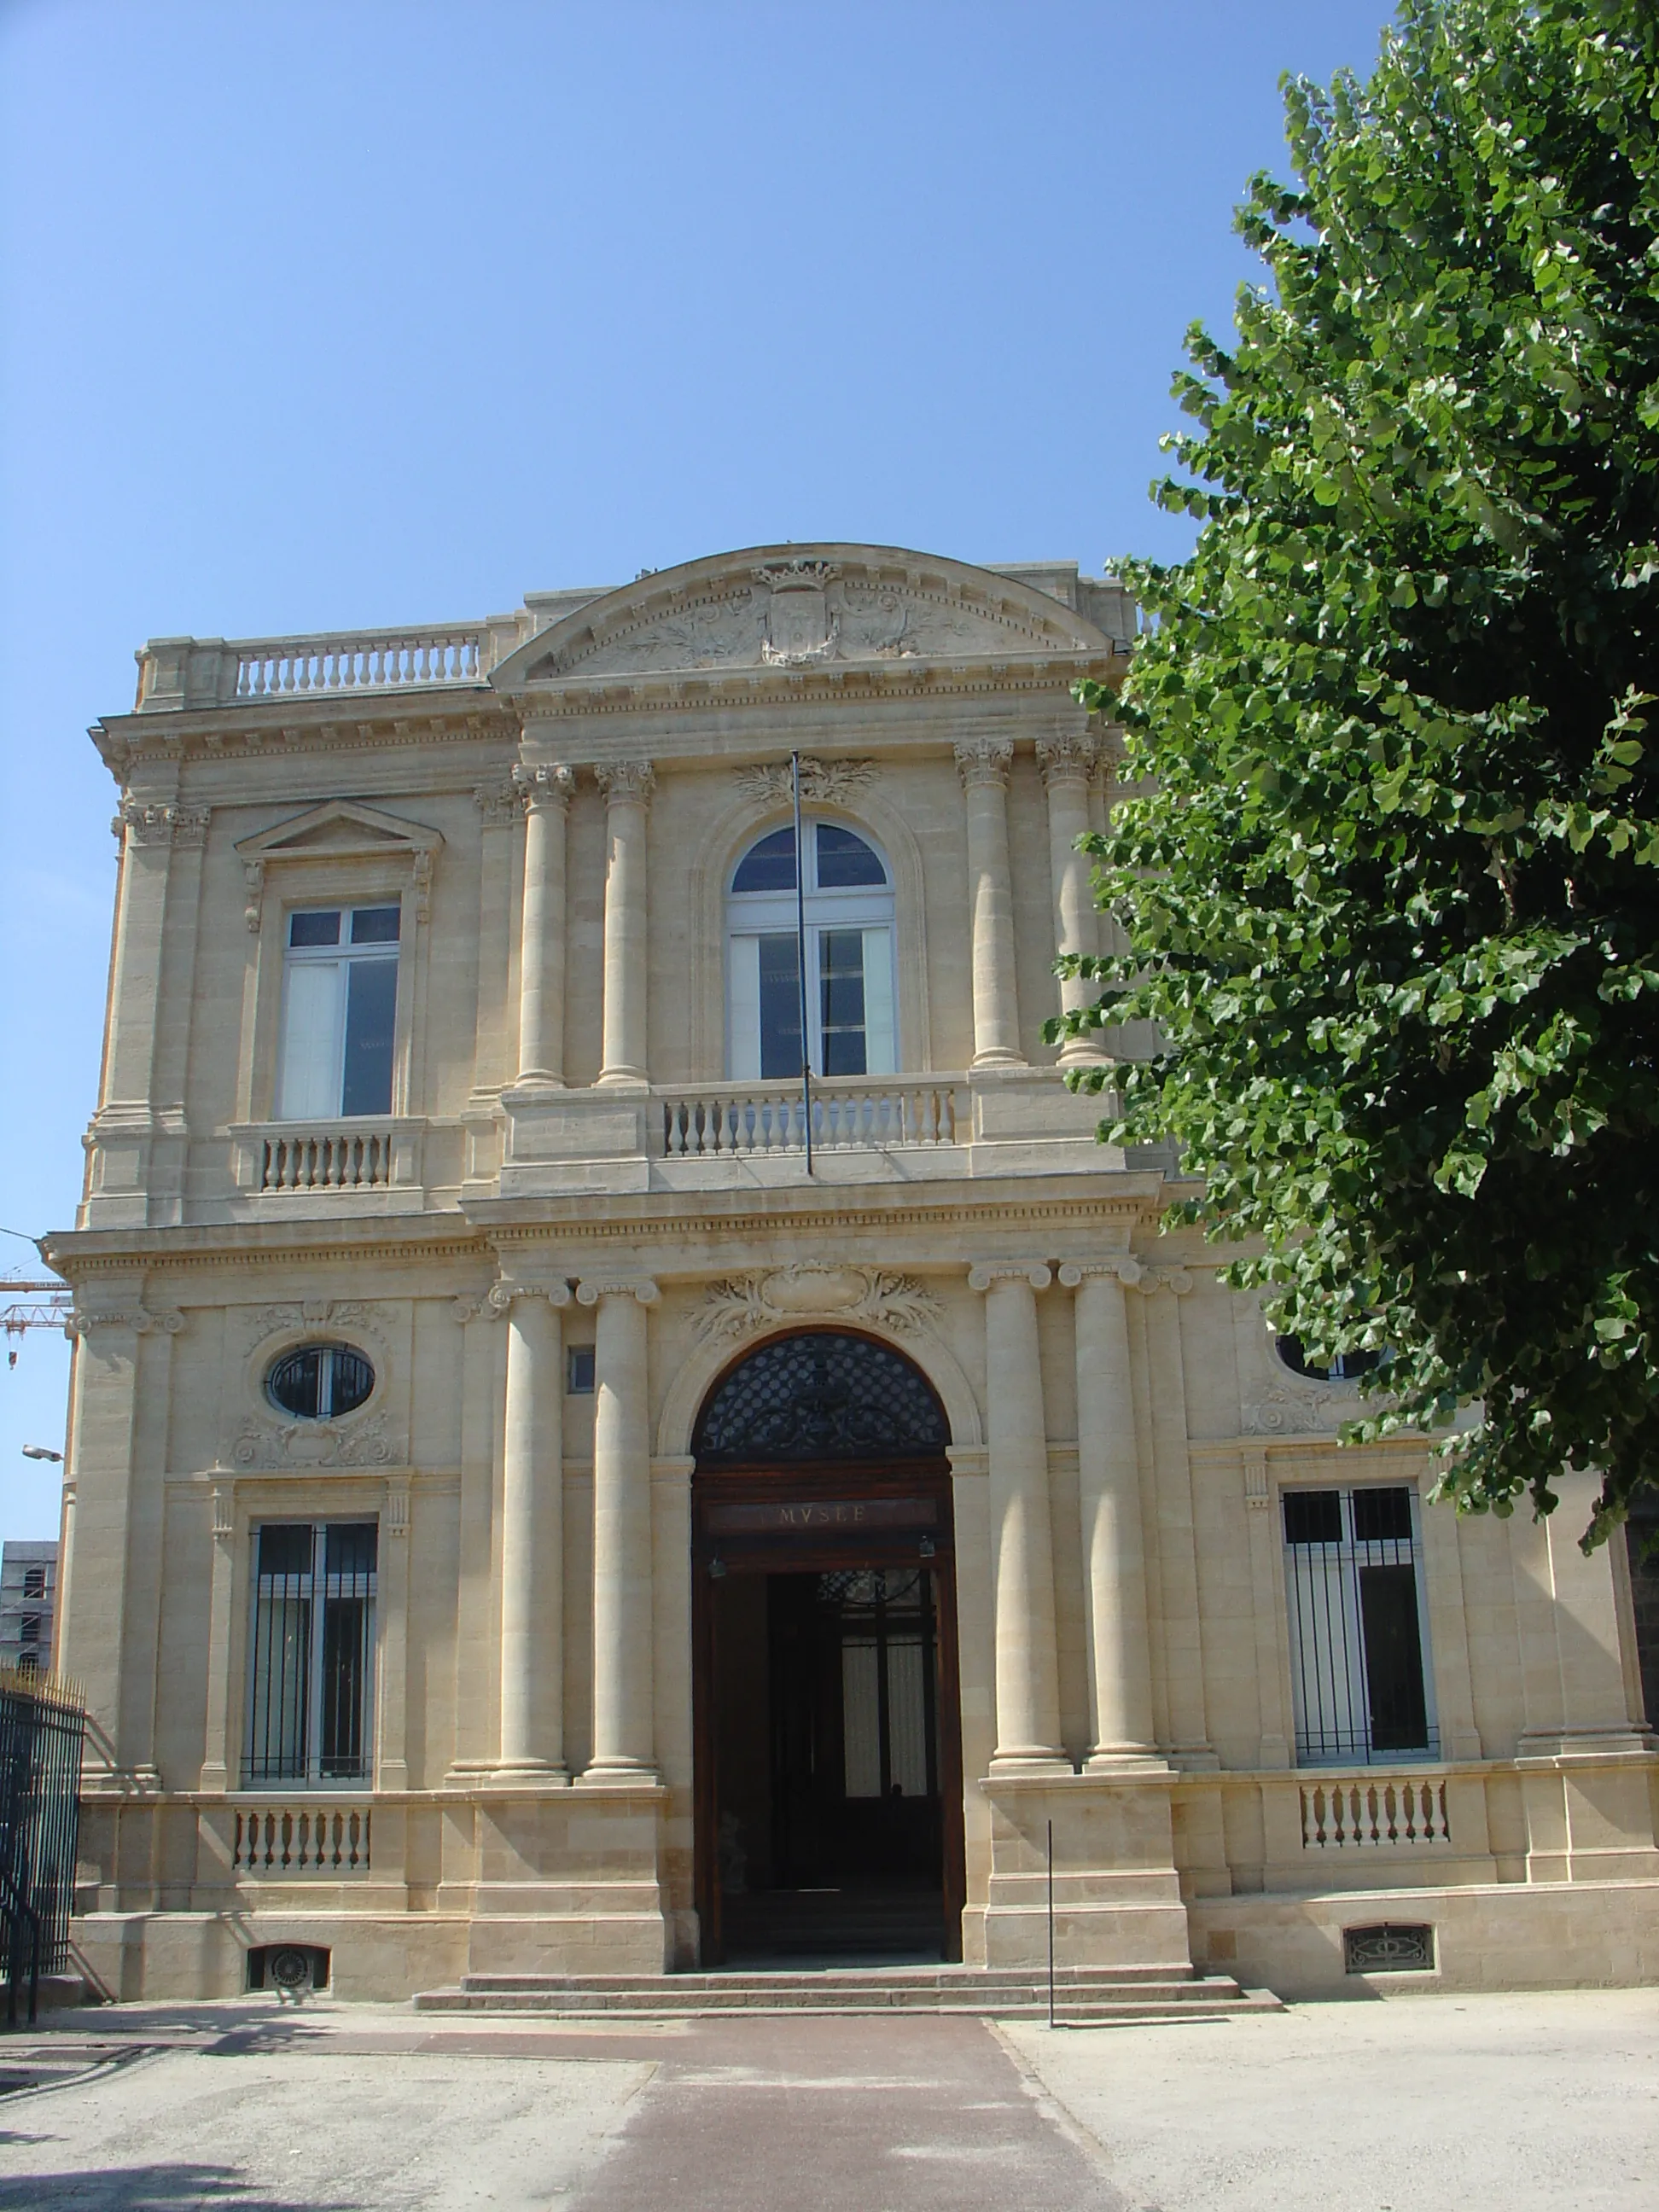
(370,311)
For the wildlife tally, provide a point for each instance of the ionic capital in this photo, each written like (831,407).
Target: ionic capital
(1133,1274)
(621,781)
(984,1273)
(498,1298)
(590,1292)
(983,764)
(1122,1269)
(139,1319)
(549,783)
(1068,759)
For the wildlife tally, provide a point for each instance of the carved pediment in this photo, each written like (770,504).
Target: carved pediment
(786,608)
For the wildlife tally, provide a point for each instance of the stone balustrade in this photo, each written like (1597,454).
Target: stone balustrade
(180,672)
(281,1841)
(327,1159)
(372,661)
(848,1113)
(1346,1815)
(290,1158)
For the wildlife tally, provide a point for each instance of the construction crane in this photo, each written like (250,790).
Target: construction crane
(31,1305)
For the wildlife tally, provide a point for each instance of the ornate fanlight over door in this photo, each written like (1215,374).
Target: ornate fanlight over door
(823,1395)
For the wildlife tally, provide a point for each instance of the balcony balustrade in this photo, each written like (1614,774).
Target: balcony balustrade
(848,1113)
(273,1159)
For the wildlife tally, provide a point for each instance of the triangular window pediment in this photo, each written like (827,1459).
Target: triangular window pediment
(338,828)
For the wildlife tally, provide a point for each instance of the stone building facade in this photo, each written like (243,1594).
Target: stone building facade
(523,1515)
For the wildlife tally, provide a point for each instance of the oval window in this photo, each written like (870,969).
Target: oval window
(1346,1367)
(320,1381)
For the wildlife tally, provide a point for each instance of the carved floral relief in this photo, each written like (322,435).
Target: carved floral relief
(763,1298)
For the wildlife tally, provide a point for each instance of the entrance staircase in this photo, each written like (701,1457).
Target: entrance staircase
(1083,1996)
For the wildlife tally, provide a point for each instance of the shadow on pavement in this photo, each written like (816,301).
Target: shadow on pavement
(153,2189)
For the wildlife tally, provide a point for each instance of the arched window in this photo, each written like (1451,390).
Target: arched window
(849,958)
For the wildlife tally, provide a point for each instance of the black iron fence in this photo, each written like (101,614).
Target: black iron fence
(42,1724)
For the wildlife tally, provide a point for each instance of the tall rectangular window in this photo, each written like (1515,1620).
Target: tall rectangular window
(849,999)
(1353,1575)
(339,1012)
(311,1675)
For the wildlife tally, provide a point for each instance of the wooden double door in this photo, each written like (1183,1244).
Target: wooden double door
(828,1740)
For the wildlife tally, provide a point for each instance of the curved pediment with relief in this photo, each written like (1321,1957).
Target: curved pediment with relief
(800,608)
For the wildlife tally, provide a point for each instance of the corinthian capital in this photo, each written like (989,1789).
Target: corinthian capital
(550,783)
(622,780)
(984,762)
(1068,759)
(164,825)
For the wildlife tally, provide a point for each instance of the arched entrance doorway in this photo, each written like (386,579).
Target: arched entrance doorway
(829,1751)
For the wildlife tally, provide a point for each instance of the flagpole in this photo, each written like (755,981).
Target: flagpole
(800,958)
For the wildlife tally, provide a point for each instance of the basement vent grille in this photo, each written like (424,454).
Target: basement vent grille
(1390,1950)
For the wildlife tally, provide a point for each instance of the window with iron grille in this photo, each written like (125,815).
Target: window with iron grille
(312,1667)
(1353,1573)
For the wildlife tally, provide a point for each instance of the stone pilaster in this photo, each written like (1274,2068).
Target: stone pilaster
(1022,1544)
(627,786)
(623,1746)
(983,768)
(138,1133)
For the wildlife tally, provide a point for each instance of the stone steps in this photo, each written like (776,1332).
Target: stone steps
(1081,1994)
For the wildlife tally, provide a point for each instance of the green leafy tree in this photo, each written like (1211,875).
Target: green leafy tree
(1387,876)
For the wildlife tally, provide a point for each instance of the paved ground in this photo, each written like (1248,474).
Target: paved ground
(1425,2105)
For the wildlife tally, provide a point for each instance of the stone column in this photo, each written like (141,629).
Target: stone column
(545,790)
(624,1746)
(1068,765)
(1109,1502)
(983,768)
(532,1531)
(1021,1548)
(627,786)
